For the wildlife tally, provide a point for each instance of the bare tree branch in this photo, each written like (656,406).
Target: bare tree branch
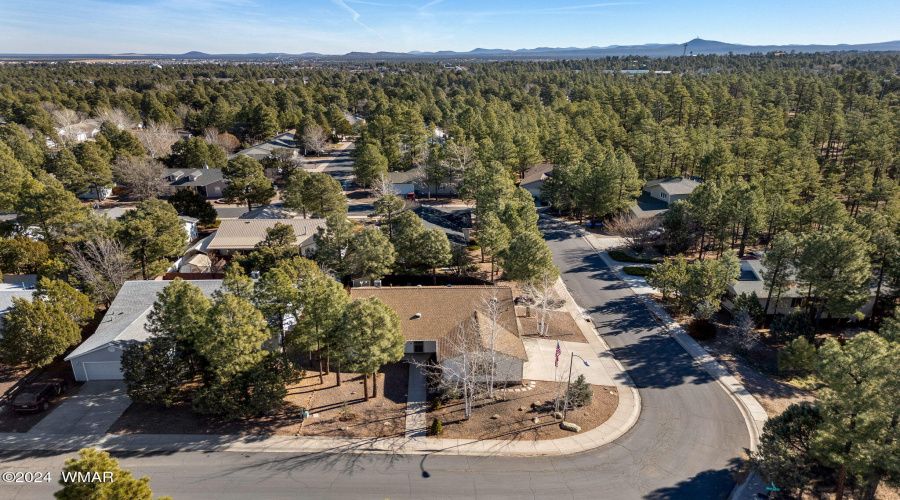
(637,232)
(104,266)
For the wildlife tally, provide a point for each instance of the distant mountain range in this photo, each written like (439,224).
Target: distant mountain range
(695,46)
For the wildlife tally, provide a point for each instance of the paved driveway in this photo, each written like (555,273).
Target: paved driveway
(540,364)
(92,411)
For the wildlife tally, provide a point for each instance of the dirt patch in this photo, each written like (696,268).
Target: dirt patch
(562,327)
(11,421)
(378,417)
(516,424)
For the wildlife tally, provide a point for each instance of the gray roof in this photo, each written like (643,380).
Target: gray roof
(8,292)
(674,185)
(536,175)
(648,206)
(404,177)
(204,177)
(260,151)
(124,321)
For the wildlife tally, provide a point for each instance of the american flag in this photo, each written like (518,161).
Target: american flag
(558,352)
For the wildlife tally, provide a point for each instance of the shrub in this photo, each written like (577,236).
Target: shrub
(637,271)
(436,404)
(750,303)
(621,256)
(702,329)
(798,357)
(580,393)
(790,326)
(436,427)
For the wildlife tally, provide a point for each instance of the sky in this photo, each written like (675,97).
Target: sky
(341,26)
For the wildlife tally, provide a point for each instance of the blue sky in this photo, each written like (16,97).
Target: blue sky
(340,26)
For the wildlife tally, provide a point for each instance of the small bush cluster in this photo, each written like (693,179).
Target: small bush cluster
(702,329)
(637,271)
(621,256)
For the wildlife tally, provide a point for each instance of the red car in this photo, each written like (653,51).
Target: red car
(37,397)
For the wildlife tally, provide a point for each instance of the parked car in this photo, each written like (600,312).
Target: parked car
(37,396)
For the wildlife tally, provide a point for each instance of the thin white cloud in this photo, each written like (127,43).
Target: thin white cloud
(355,15)
(432,3)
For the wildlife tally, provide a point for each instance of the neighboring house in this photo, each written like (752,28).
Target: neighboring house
(658,194)
(209,182)
(751,280)
(535,177)
(672,189)
(242,235)
(190,223)
(15,286)
(431,319)
(105,192)
(80,132)
(99,357)
(410,181)
(261,151)
(197,259)
(190,227)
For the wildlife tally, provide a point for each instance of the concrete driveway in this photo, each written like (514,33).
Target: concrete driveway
(92,411)
(540,364)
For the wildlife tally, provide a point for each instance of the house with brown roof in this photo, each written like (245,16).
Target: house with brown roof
(445,322)
(241,235)
(534,178)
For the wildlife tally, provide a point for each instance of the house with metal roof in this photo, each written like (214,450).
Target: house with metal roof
(263,150)
(242,235)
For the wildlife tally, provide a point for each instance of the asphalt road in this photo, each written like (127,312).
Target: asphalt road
(689,435)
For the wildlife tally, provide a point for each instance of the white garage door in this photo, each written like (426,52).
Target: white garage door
(102,370)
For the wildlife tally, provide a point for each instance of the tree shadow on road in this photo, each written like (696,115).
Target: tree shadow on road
(709,484)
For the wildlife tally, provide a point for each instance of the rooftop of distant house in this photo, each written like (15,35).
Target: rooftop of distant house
(536,175)
(260,151)
(185,177)
(674,185)
(244,234)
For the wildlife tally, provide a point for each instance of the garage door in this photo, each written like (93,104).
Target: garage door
(102,370)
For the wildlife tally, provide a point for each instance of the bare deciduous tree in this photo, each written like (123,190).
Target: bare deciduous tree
(545,300)
(66,119)
(182,110)
(314,139)
(157,138)
(117,116)
(459,158)
(141,178)
(383,187)
(637,232)
(103,265)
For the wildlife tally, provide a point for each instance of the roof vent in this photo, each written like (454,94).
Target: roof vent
(417,315)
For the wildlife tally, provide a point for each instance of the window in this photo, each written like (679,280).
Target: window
(418,346)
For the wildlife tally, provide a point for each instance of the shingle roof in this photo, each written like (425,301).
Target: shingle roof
(7,294)
(244,234)
(444,309)
(674,185)
(124,321)
(263,150)
(535,176)
(205,177)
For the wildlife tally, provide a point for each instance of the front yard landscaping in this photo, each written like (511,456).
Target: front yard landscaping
(515,412)
(333,411)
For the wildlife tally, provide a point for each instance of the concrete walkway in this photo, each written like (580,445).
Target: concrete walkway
(92,411)
(416,403)
(541,362)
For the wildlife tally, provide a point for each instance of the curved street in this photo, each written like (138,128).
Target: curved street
(689,437)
